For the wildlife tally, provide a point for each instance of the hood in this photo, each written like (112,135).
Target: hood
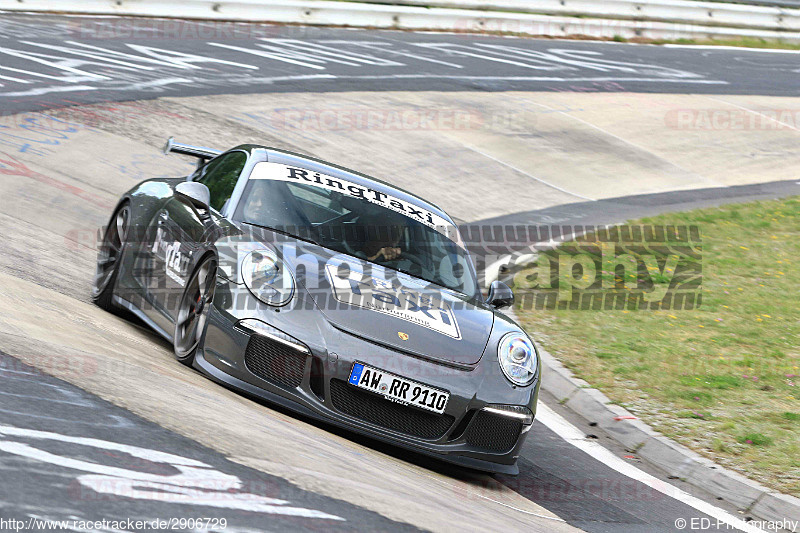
(391,308)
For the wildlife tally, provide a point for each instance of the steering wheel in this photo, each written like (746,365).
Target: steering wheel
(413,259)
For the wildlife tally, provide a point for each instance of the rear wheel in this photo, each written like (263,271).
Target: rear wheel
(109,258)
(193,310)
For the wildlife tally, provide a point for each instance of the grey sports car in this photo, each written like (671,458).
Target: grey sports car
(333,294)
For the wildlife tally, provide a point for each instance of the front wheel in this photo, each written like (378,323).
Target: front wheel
(193,310)
(109,258)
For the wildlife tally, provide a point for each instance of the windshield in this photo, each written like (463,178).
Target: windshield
(358,221)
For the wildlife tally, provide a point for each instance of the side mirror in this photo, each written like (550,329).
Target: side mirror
(500,295)
(197,193)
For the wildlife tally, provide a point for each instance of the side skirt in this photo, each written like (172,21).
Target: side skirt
(125,304)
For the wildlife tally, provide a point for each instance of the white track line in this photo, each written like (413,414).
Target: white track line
(150,84)
(529,78)
(633,145)
(576,437)
(512,167)
(735,48)
(45,90)
(68,88)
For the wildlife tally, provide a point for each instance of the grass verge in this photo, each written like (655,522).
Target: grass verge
(742,42)
(722,379)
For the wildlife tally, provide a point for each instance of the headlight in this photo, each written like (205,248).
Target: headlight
(517,356)
(265,276)
(520,412)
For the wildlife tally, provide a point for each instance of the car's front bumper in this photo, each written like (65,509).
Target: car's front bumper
(316,384)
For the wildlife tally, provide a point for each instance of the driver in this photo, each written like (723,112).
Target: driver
(384,235)
(266,204)
(257,206)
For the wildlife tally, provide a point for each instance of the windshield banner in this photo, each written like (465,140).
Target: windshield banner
(279,172)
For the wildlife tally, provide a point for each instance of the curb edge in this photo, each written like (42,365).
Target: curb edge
(669,456)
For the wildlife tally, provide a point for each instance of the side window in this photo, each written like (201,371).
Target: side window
(220,176)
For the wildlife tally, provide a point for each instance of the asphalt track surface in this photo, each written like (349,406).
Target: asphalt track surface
(46,422)
(34,74)
(53,61)
(567,218)
(36,486)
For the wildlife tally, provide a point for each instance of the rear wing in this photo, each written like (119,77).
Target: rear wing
(202,154)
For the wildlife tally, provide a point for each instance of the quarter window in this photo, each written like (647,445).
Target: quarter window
(220,176)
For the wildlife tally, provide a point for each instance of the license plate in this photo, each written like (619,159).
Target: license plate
(398,389)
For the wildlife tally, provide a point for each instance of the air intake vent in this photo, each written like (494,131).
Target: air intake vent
(493,433)
(274,361)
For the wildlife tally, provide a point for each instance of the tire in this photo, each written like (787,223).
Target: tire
(193,310)
(109,257)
